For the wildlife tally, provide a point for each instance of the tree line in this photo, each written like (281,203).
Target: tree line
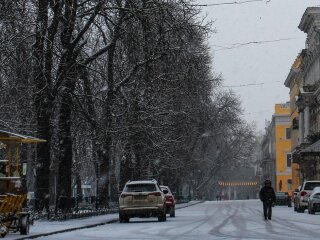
(121,90)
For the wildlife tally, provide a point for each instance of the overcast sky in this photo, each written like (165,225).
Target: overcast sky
(266,64)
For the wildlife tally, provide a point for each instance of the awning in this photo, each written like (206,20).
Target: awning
(9,136)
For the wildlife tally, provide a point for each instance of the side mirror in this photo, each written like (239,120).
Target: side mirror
(173,193)
(165,191)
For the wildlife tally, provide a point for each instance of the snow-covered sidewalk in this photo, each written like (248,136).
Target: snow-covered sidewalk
(45,228)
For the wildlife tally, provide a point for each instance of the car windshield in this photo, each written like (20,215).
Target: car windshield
(311,185)
(140,188)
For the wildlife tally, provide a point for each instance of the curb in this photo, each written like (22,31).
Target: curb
(87,226)
(69,229)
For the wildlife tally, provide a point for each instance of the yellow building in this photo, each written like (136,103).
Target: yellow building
(282,140)
(294,83)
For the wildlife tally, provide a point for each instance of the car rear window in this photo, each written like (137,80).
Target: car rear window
(140,188)
(311,185)
(281,193)
(165,188)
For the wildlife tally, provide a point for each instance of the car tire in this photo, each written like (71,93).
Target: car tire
(163,216)
(172,212)
(123,219)
(24,225)
(300,209)
(312,211)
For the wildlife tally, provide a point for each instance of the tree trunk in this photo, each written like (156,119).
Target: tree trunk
(65,136)
(42,106)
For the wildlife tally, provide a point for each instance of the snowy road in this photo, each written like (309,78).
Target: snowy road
(210,220)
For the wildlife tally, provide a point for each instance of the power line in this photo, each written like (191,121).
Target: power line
(227,3)
(253,113)
(244,85)
(249,84)
(238,45)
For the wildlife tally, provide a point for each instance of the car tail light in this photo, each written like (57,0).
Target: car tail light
(169,198)
(123,195)
(303,193)
(157,194)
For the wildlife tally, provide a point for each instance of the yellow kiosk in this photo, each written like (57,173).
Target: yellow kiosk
(12,198)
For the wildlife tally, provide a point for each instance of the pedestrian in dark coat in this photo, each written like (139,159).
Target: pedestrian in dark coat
(268,197)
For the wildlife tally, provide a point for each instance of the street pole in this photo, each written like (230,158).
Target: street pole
(97,185)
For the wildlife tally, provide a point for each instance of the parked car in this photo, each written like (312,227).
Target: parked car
(304,194)
(314,201)
(170,202)
(142,199)
(295,199)
(283,198)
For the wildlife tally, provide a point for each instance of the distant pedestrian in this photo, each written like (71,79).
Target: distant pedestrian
(268,197)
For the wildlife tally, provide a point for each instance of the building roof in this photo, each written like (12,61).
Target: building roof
(310,19)
(295,69)
(9,136)
(313,148)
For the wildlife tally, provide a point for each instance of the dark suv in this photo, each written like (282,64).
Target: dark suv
(283,198)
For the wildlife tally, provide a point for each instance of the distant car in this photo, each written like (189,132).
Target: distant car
(295,199)
(170,202)
(304,194)
(283,198)
(142,199)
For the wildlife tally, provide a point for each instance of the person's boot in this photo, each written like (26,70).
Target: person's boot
(269,218)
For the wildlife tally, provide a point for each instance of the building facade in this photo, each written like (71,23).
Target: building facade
(267,158)
(307,152)
(276,159)
(294,82)
(282,135)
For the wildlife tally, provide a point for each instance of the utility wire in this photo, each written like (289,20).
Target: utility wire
(238,45)
(244,85)
(252,113)
(227,3)
(249,84)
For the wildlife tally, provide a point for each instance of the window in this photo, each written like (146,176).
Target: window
(295,123)
(288,133)
(140,188)
(289,160)
(289,184)
(280,185)
(311,185)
